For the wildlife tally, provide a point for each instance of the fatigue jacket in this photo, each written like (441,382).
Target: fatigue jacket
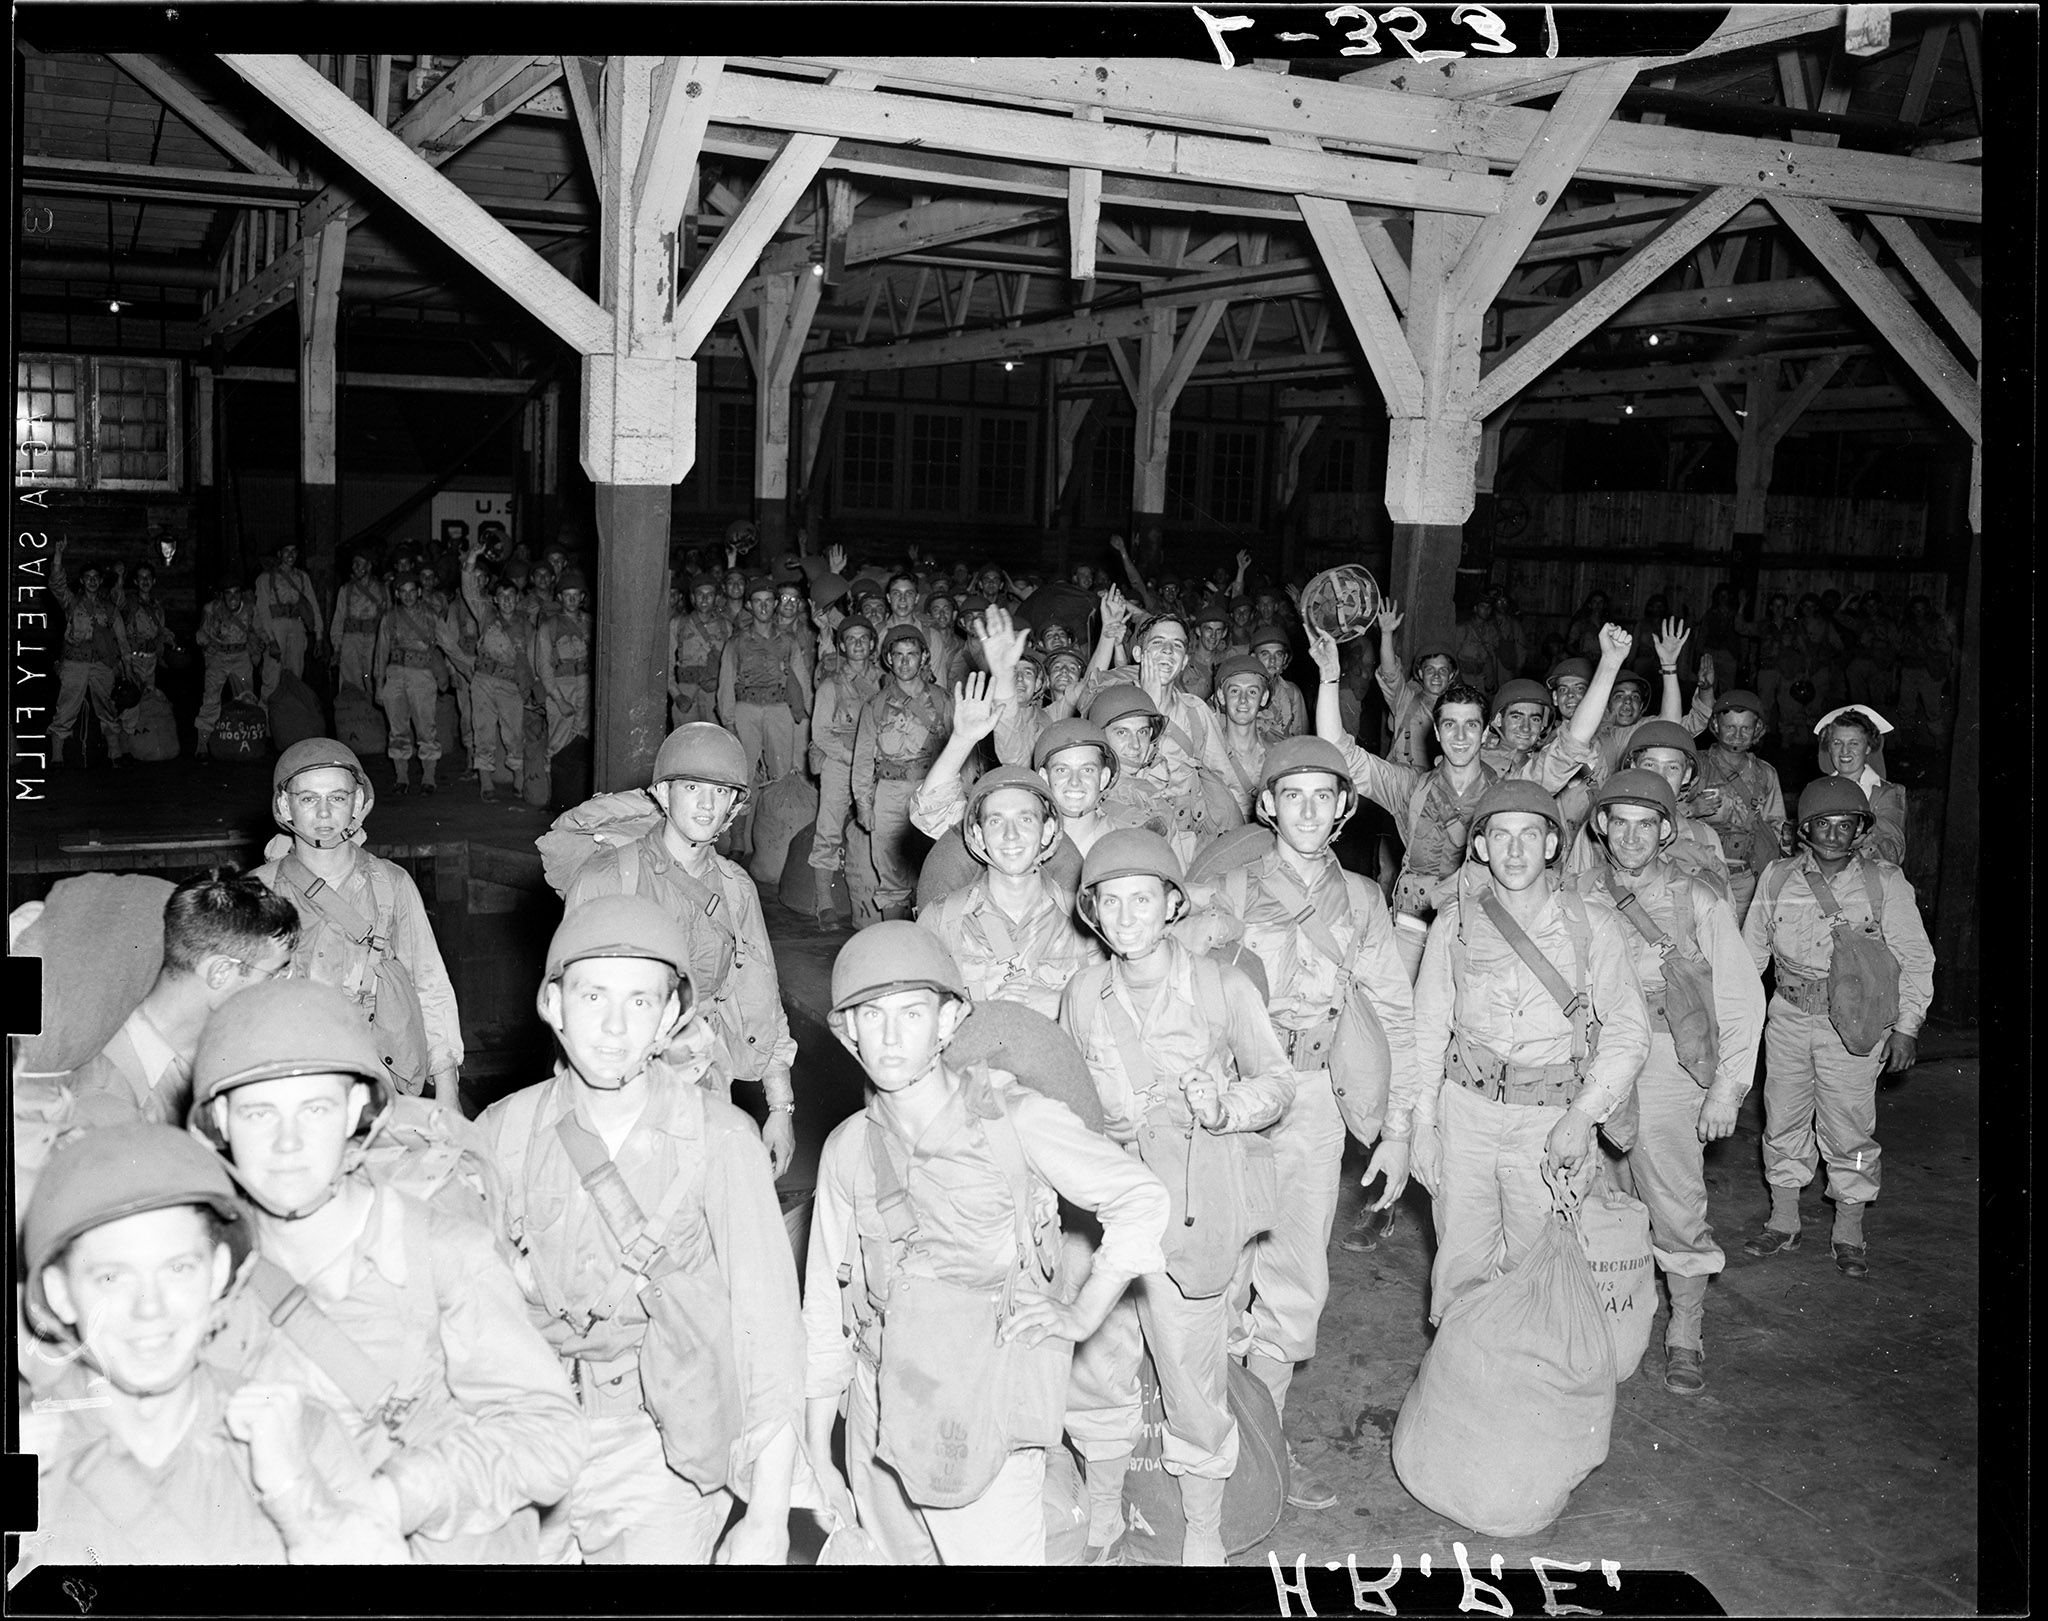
(1234,1044)
(1505,1008)
(286,596)
(1689,911)
(966,1231)
(696,642)
(1752,807)
(758,669)
(1306,982)
(835,711)
(358,606)
(732,964)
(101,1505)
(1027,959)
(226,634)
(136,1076)
(570,1256)
(905,729)
(93,632)
(431,1302)
(1786,926)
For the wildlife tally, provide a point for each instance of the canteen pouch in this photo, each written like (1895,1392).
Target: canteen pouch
(1221,1188)
(687,1371)
(1863,975)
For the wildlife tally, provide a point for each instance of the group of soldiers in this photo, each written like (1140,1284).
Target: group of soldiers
(284,1303)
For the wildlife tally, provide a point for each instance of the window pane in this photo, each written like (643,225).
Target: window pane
(132,395)
(1109,471)
(733,456)
(867,461)
(46,419)
(1233,477)
(1183,458)
(937,457)
(1003,467)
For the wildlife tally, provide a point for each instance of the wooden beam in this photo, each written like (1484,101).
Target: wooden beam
(1002,133)
(1930,267)
(1685,230)
(1366,304)
(319,310)
(583,78)
(1188,347)
(1710,391)
(209,121)
(936,224)
(1569,129)
(438,126)
(436,203)
(397,382)
(98,178)
(1387,258)
(1933,362)
(1926,65)
(1819,373)
(1346,117)
(732,256)
(683,94)
(1522,78)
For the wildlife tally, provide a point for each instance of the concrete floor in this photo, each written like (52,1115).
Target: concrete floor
(1830,1467)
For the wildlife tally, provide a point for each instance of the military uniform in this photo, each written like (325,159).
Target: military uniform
(696,644)
(359,606)
(835,716)
(149,636)
(407,689)
(759,676)
(1746,821)
(1813,1085)
(288,611)
(697,1164)
(1209,1017)
(561,663)
(970,1232)
(93,638)
(479,1426)
(1502,1055)
(898,736)
(136,1076)
(227,639)
(1026,959)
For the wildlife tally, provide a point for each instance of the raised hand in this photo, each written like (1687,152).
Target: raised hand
(1707,670)
(1390,617)
(835,559)
(1670,640)
(1116,609)
(1323,648)
(1119,545)
(974,711)
(1615,643)
(1002,644)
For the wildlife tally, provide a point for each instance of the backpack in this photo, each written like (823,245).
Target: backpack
(359,723)
(1253,1497)
(241,734)
(1863,972)
(576,835)
(430,1150)
(341,947)
(152,728)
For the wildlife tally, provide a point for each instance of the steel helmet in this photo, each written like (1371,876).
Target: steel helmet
(901,633)
(1271,636)
(885,958)
(1517,796)
(1519,691)
(1126,852)
(1570,668)
(1212,614)
(1637,787)
(1663,734)
(621,926)
(314,754)
(1122,700)
(1833,796)
(757,583)
(279,1028)
(847,626)
(1008,776)
(1740,698)
(703,751)
(1632,678)
(103,1175)
(571,579)
(1292,756)
(1241,664)
(1074,733)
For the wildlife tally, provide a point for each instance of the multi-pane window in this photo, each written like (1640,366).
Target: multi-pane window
(1339,473)
(132,426)
(938,452)
(733,454)
(1183,462)
(1109,469)
(1233,476)
(1003,467)
(867,461)
(97,424)
(47,446)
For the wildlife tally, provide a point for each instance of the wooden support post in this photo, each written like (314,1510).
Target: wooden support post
(632,632)
(1755,450)
(1959,897)
(1084,212)
(319,306)
(787,304)
(1152,437)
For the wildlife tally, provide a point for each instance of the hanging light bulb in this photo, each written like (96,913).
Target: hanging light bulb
(1628,406)
(1654,340)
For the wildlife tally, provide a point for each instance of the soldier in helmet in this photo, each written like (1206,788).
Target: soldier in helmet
(1286,710)
(1519,1064)
(1816,1087)
(1687,1094)
(397,1312)
(561,662)
(1243,697)
(501,675)
(228,639)
(1667,749)
(352,632)
(764,687)
(900,732)
(1012,930)
(1155,786)
(1411,692)
(651,1251)
(1190,1072)
(1739,797)
(147,1455)
(406,639)
(697,639)
(835,716)
(95,651)
(1344,1010)
(936,1215)
(701,777)
(222,935)
(1190,736)
(288,608)
(362,925)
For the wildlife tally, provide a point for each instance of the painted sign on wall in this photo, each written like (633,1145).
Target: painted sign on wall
(458,514)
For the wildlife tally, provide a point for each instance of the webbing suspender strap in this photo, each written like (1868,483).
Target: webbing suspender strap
(1831,908)
(635,1233)
(1573,1004)
(1639,914)
(326,899)
(293,1311)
